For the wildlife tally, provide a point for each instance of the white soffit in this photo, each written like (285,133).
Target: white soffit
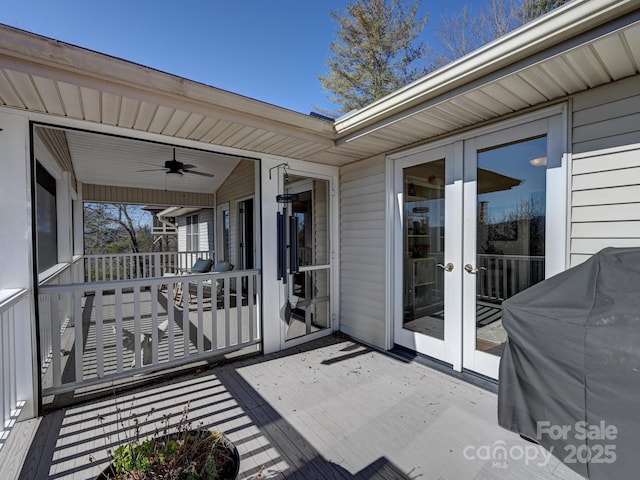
(472,90)
(584,44)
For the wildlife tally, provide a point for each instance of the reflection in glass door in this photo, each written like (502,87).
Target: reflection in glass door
(506,253)
(510,232)
(427,242)
(423,250)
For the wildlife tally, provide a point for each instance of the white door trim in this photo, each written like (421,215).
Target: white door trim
(551,121)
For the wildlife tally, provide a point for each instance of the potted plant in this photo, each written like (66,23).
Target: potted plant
(178,453)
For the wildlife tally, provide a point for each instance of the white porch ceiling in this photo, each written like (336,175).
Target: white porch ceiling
(108,160)
(580,46)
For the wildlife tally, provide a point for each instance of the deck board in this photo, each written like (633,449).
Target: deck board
(331,409)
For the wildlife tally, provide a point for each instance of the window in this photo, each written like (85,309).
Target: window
(193,241)
(226,235)
(46,219)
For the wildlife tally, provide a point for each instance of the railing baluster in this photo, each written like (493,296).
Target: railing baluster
(98,299)
(227,313)
(137,330)
(12,360)
(239,309)
(119,336)
(171,315)
(250,305)
(154,322)
(79,337)
(199,295)
(5,403)
(185,318)
(55,340)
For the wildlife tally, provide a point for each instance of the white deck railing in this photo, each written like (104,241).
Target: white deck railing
(502,276)
(122,328)
(66,274)
(131,266)
(14,306)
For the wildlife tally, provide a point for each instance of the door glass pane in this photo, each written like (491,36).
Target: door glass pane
(510,232)
(423,232)
(309,303)
(309,289)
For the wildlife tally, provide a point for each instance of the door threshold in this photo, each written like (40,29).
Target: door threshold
(486,383)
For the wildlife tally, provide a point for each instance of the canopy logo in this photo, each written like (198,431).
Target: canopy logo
(583,443)
(586,442)
(499,454)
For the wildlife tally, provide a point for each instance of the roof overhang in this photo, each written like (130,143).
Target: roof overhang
(173,212)
(579,46)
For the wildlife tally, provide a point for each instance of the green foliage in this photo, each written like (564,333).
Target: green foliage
(375,53)
(187,455)
(177,452)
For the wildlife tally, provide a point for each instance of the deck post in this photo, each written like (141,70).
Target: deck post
(16,255)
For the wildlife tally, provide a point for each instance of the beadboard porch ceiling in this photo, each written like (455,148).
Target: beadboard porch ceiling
(577,47)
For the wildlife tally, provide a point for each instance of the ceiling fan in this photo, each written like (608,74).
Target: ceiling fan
(174,166)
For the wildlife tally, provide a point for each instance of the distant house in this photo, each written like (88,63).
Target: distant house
(404,224)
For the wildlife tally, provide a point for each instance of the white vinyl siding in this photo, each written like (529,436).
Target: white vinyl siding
(192,232)
(605,200)
(204,231)
(362,250)
(239,184)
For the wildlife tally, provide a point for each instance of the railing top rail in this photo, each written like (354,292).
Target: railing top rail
(10,296)
(512,257)
(113,284)
(112,255)
(53,273)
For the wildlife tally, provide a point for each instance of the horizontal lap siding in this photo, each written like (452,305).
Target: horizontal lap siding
(362,250)
(605,202)
(238,185)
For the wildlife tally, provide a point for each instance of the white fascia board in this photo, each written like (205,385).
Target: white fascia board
(565,22)
(22,48)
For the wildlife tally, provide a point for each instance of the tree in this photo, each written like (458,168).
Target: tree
(460,33)
(116,228)
(376,52)
(531,9)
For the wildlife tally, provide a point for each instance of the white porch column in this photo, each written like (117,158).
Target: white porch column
(16,254)
(78,231)
(271,287)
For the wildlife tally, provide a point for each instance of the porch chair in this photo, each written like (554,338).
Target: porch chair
(219,267)
(201,265)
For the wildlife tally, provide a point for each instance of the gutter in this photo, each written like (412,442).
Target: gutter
(570,20)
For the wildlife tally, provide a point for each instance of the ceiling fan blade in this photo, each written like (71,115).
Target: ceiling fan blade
(203,174)
(151,170)
(152,164)
(188,166)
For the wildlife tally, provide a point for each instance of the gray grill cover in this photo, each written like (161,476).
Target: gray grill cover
(573,356)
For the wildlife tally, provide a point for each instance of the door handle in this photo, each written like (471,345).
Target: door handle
(469,268)
(448,267)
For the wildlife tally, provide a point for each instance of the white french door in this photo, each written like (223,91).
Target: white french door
(478,220)
(428,235)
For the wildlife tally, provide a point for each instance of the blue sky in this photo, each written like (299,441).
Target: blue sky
(271,50)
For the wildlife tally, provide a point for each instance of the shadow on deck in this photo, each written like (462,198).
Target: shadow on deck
(332,409)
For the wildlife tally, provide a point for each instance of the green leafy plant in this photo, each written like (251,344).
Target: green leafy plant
(180,452)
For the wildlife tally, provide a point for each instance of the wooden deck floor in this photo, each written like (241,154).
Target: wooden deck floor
(332,409)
